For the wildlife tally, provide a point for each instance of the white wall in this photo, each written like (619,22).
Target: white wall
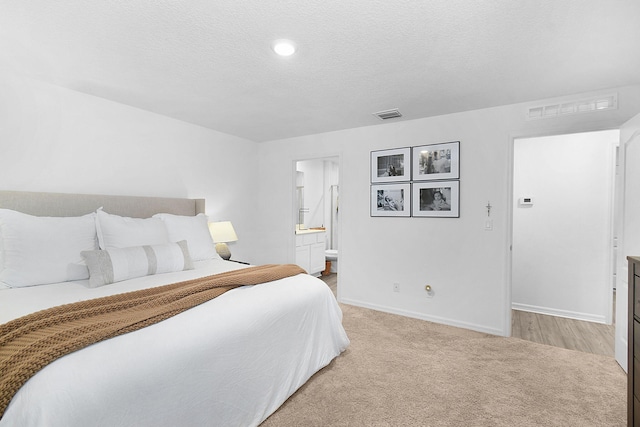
(58,140)
(467,267)
(53,139)
(562,243)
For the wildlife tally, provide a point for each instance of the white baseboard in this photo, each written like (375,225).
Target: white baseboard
(421,316)
(559,313)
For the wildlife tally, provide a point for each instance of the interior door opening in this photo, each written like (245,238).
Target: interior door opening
(562,259)
(317,216)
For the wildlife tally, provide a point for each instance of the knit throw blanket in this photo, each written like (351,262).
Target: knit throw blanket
(29,343)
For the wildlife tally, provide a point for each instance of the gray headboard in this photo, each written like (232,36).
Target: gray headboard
(61,204)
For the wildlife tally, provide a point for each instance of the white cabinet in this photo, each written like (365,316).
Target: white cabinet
(302,257)
(310,251)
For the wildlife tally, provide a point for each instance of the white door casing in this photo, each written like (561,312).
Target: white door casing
(628,224)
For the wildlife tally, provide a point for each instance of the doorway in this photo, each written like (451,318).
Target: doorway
(562,259)
(317,207)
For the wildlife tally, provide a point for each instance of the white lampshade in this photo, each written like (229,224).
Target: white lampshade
(222,232)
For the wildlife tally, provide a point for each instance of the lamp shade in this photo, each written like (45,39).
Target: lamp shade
(222,232)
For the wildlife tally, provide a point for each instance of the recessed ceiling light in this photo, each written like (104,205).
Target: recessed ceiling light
(284,47)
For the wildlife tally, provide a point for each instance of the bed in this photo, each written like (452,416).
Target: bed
(229,361)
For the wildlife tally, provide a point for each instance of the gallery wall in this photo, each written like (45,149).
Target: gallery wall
(58,140)
(467,267)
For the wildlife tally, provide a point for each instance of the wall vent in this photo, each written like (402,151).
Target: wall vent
(601,103)
(388,114)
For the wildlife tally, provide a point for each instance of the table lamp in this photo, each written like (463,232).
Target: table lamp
(222,232)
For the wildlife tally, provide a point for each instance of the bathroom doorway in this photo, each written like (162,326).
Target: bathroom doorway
(317,206)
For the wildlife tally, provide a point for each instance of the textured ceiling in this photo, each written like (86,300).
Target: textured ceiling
(209,62)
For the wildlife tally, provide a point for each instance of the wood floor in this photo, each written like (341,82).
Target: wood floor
(332,281)
(587,337)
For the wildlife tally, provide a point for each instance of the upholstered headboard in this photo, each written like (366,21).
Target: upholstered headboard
(62,204)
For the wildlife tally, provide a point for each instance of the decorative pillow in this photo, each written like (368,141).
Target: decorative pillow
(193,229)
(116,231)
(40,250)
(117,264)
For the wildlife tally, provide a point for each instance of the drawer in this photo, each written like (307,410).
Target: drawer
(636,296)
(636,377)
(636,338)
(310,239)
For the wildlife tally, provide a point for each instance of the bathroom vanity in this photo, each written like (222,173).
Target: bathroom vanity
(310,246)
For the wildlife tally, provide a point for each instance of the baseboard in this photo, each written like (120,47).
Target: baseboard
(421,316)
(560,313)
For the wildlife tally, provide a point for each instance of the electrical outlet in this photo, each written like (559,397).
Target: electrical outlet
(396,287)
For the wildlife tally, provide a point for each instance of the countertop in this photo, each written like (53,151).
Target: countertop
(309,230)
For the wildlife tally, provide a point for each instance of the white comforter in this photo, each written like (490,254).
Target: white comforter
(229,362)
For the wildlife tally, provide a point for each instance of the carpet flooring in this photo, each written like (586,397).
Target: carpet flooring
(407,372)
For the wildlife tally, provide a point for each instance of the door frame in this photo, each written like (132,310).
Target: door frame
(510,211)
(337,155)
(622,307)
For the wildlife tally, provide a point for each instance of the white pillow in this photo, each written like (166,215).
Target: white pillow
(39,250)
(193,229)
(117,264)
(116,231)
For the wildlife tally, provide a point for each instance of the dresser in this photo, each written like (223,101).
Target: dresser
(633,359)
(310,248)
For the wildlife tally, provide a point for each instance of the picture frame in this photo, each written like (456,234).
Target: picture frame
(436,161)
(393,165)
(391,200)
(435,199)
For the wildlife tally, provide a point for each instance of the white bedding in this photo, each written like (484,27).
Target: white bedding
(229,362)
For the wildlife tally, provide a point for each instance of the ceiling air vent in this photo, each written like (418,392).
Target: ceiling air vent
(601,103)
(388,114)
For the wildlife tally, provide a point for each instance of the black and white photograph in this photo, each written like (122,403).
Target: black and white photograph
(390,165)
(436,199)
(390,199)
(436,161)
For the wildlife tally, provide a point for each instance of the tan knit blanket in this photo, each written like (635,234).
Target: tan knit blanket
(29,343)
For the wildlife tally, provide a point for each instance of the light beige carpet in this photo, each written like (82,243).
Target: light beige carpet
(407,372)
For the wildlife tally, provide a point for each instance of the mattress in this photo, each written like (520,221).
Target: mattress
(231,361)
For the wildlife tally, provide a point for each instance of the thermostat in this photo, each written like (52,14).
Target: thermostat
(526,201)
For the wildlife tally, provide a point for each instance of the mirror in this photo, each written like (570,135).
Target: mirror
(317,195)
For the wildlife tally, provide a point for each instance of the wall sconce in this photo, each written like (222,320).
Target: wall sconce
(222,232)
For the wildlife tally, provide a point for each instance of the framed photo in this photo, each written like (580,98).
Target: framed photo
(436,161)
(390,199)
(391,165)
(436,199)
